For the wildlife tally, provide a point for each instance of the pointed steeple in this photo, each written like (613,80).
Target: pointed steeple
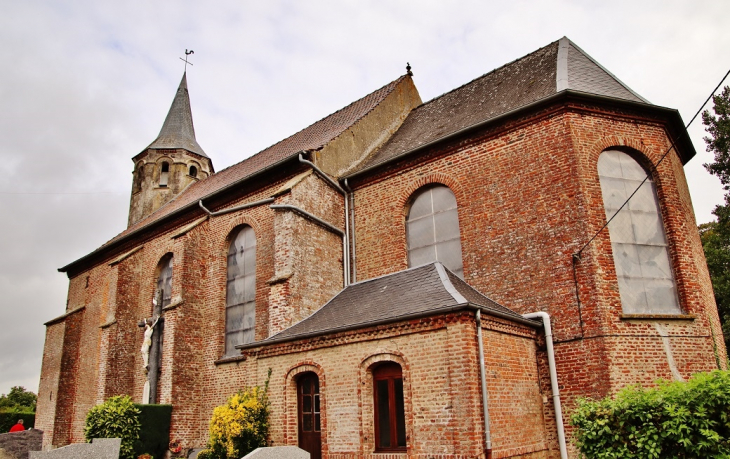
(178,130)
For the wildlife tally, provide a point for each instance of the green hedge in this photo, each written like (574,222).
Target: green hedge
(8,418)
(683,420)
(154,436)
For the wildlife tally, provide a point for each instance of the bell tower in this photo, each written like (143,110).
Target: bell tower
(169,164)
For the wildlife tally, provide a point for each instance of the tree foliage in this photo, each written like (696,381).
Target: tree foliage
(683,420)
(716,235)
(240,426)
(117,417)
(18,399)
(718,142)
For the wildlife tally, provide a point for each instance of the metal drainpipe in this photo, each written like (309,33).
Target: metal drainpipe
(545,317)
(353,257)
(346,237)
(485,405)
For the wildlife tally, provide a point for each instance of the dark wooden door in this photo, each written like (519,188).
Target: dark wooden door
(310,422)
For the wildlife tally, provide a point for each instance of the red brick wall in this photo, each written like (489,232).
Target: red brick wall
(442,391)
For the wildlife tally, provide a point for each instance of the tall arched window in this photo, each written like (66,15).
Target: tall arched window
(390,419)
(164,172)
(640,253)
(241,289)
(433,229)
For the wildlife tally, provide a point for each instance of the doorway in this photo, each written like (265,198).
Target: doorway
(308,414)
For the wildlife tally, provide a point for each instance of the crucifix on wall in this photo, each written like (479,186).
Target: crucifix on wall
(154,331)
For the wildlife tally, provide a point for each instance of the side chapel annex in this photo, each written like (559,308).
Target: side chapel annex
(405,270)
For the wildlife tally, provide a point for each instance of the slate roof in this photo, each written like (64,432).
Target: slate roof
(311,138)
(557,67)
(416,291)
(177,130)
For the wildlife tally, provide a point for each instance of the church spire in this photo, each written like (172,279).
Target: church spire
(178,130)
(169,164)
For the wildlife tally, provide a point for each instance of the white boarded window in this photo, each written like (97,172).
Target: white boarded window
(164,172)
(639,245)
(432,230)
(241,289)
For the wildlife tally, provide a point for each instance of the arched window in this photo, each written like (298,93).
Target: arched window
(433,229)
(193,171)
(640,253)
(164,172)
(163,293)
(390,419)
(241,289)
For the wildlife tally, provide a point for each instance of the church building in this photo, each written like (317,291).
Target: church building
(436,279)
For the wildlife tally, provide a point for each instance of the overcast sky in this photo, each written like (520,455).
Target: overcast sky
(85,85)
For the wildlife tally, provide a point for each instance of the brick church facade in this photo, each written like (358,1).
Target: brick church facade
(392,264)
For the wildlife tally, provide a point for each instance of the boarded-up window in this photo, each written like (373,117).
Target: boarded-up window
(164,283)
(433,230)
(640,253)
(241,289)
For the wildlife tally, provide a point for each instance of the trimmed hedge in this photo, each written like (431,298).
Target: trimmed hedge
(684,420)
(8,418)
(154,436)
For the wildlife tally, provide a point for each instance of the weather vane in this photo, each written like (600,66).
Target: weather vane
(187,53)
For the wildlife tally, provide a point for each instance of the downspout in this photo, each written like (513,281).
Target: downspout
(345,237)
(545,317)
(485,406)
(353,258)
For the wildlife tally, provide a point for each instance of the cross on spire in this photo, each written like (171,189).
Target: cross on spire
(187,53)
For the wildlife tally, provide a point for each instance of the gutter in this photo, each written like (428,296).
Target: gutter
(567,93)
(415,315)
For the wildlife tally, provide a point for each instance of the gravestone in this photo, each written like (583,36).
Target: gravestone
(277,452)
(16,445)
(99,448)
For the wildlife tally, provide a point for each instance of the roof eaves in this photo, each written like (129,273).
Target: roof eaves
(544,101)
(389,320)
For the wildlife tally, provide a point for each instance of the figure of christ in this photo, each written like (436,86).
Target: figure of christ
(147,343)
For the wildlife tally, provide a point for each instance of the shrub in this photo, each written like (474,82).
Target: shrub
(154,434)
(684,420)
(9,416)
(240,426)
(117,417)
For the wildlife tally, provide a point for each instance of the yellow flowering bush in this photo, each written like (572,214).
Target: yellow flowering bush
(240,426)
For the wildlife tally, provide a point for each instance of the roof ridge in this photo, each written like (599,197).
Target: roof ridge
(319,120)
(598,64)
(486,74)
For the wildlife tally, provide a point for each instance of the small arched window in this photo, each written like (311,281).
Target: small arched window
(193,171)
(241,289)
(390,419)
(640,253)
(432,228)
(164,172)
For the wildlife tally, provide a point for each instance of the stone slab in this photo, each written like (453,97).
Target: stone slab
(99,448)
(278,452)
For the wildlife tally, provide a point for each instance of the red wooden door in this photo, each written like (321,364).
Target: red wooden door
(310,423)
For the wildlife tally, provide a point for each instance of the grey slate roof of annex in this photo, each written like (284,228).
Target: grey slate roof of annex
(414,291)
(559,66)
(177,130)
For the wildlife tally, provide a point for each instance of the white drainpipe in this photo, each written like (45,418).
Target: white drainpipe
(545,317)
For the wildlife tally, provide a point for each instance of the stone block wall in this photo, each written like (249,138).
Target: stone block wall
(17,445)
